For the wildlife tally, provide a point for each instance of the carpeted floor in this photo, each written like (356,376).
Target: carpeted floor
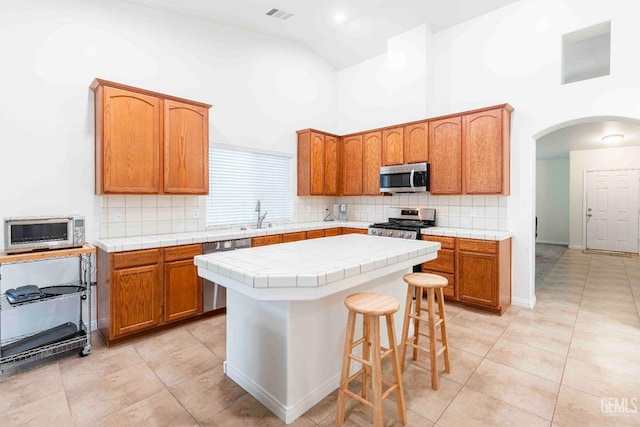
(546,257)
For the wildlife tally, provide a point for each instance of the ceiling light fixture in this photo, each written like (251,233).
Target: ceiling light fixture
(339,18)
(613,138)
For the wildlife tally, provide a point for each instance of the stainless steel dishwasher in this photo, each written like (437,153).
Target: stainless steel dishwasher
(214,295)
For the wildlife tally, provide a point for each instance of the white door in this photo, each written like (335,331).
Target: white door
(612,210)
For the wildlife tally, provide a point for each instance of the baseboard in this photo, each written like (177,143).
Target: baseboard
(580,247)
(287,414)
(549,242)
(525,303)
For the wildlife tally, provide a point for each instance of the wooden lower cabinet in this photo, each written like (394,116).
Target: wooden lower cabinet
(348,230)
(266,240)
(331,232)
(444,264)
(143,289)
(484,273)
(182,285)
(479,271)
(314,234)
(294,237)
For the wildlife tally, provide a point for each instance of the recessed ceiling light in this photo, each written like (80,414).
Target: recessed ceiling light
(613,138)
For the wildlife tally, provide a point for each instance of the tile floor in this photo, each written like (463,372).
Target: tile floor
(552,365)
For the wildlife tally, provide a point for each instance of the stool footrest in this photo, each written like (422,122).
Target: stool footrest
(360,359)
(358,398)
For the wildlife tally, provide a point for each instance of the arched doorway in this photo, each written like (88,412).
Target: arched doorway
(560,185)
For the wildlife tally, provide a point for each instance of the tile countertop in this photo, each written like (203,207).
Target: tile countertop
(313,264)
(467,233)
(121,244)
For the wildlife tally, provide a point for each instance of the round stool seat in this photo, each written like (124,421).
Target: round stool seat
(425,280)
(372,304)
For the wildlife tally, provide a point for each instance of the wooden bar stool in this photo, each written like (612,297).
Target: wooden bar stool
(432,283)
(371,306)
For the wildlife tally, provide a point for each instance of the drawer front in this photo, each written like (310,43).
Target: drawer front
(292,237)
(482,246)
(443,263)
(266,240)
(331,232)
(445,242)
(349,230)
(135,258)
(314,234)
(176,253)
(450,289)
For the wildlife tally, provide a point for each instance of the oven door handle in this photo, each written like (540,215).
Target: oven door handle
(413,172)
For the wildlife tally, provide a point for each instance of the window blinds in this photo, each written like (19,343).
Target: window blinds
(239,178)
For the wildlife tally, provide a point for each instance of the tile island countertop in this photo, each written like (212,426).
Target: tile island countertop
(312,269)
(286,317)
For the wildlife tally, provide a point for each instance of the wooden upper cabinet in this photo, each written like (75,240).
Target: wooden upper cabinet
(485,152)
(186,148)
(149,143)
(331,164)
(352,165)
(392,146)
(372,153)
(318,163)
(416,143)
(127,142)
(445,154)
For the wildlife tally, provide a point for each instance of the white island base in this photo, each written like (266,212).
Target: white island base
(285,345)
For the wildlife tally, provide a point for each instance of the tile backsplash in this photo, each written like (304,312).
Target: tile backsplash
(475,212)
(138,215)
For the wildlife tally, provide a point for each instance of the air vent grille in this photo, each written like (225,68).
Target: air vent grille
(280,14)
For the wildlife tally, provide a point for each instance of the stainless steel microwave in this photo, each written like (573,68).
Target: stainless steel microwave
(27,234)
(409,178)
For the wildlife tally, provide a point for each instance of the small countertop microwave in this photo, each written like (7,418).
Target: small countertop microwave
(27,234)
(409,178)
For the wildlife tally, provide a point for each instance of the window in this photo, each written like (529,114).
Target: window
(239,178)
(586,53)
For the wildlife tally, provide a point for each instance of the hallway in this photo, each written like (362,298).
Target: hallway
(567,362)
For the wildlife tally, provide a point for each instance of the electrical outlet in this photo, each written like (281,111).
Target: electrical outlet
(474,212)
(194,214)
(117,217)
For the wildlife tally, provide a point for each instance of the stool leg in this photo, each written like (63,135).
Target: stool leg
(376,375)
(402,412)
(432,338)
(346,365)
(416,323)
(405,326)
(366,355)
(443,330)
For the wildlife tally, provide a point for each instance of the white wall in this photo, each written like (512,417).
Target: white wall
(514,55)
(389,88)
(589,160)
(262,90)
(552,201)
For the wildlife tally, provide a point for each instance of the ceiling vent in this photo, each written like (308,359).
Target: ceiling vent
(280,14)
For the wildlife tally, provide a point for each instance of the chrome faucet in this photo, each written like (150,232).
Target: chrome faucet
(260,218)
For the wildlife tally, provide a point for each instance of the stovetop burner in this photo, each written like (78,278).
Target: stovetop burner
(405,223)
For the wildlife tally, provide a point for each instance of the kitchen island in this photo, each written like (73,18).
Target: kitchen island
(286,318)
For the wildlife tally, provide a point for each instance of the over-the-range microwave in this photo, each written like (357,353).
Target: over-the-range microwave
(27,234)
(409,178)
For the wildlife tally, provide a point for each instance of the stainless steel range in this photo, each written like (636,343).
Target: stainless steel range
(404,223)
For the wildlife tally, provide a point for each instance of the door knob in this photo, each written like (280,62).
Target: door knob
(589,215)
(589,210)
